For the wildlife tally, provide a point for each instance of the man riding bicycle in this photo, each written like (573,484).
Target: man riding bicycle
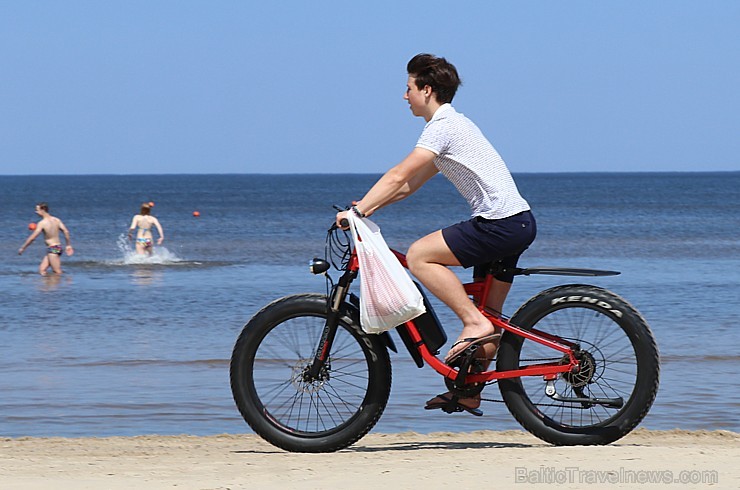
(502,225)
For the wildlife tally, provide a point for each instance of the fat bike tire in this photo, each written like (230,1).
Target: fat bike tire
(276,397)
(616,344)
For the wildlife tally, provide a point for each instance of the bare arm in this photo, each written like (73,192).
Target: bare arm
(159,229)
(399,182)
(30,239)
(64,229)
(133,226)
(414,184)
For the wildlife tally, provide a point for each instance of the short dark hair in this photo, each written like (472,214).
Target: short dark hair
(436,72)
(44,206)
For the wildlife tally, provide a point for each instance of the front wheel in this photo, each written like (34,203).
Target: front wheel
(292,409)
(618,358)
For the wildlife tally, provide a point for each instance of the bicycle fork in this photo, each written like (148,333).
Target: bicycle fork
(334,302)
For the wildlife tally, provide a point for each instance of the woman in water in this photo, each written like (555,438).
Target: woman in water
(143,223)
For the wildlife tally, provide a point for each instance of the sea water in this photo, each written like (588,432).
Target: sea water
(123,344)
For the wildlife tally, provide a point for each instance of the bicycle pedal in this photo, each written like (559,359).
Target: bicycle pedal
(467,366)
(457,408)
(452,408)
(467,356)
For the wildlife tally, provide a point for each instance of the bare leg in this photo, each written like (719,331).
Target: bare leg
(428,259)
(44,265)
(495,302)
(497,295)
(55,262)
(144,249)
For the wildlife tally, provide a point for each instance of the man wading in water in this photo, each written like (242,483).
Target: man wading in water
(50,226)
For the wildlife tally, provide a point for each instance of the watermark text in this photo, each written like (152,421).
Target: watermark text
(572,474)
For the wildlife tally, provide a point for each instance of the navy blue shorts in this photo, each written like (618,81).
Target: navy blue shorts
(479,241)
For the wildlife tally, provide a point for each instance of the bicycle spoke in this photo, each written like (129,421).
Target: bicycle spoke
(300,403)
(614,373)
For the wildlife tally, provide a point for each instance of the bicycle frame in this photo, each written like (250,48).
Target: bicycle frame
(577,363)
(478,290)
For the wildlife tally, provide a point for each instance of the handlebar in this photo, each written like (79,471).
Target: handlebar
(344,223)
(344,226)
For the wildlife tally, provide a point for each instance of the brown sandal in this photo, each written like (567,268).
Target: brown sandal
(472,341)
(452,405)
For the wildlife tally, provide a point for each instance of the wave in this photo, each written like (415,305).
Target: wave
(705,358)
(160,256)
(219,363)
(143,263)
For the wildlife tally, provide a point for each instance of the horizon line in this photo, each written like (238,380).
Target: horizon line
(562,172)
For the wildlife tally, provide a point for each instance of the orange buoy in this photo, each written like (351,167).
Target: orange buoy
(151,204)
(31,226)
(196,213)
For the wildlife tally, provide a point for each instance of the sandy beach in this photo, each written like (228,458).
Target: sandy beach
(511,459)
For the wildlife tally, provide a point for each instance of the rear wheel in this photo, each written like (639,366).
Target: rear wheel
(284,404)
(618,358)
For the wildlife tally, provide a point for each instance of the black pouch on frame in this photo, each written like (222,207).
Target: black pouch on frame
(429,327)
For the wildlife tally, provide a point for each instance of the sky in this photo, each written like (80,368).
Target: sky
(170,87)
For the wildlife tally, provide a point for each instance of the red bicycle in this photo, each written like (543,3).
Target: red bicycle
(576,364)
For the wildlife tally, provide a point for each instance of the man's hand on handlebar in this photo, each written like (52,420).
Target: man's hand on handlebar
(341,220)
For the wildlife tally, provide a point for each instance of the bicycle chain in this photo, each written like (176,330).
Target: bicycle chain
(557,405)
(526,360)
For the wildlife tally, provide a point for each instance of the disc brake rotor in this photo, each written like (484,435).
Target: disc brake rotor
(586,373)
(301,380)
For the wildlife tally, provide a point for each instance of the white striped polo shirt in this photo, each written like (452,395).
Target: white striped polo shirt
(472,164)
